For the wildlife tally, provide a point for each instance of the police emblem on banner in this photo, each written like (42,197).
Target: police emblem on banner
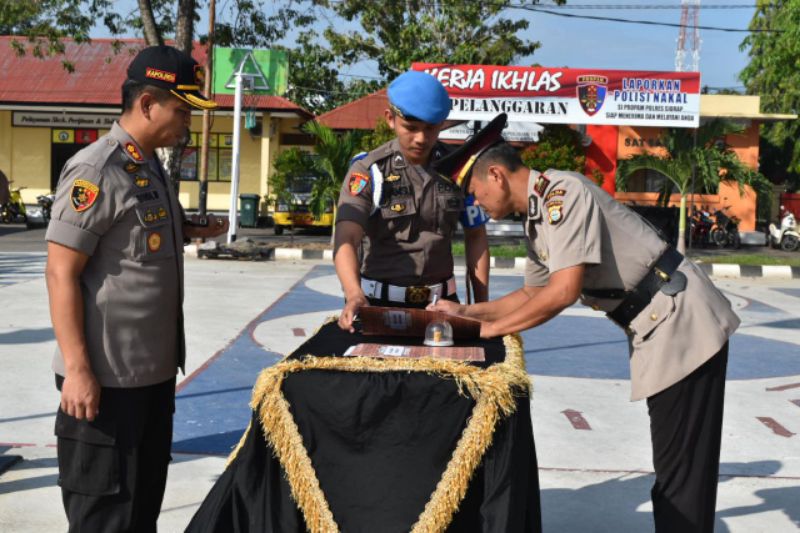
(83,195)
(592,92)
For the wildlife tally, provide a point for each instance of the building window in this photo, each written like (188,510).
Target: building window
(646,180)
(219,158)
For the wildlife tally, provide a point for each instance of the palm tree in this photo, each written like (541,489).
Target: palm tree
(690,151)
(333,153)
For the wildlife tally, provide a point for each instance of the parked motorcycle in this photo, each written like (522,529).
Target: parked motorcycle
(700,224)
(725,231)
(39,216)
(786,237)
(45,203)
(14,209)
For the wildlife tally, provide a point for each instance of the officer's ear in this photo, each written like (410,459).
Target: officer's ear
(389,115)
(495,173)
(146,101)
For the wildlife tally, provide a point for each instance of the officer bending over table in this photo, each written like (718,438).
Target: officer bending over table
(583,244)
(115,281)
(407,212)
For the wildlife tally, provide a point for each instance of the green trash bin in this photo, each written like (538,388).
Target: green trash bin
(248,210)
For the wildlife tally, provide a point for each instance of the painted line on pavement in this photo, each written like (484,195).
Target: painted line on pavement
(775,426)
(576,419)
(250,327)
(651,472)
(783,387)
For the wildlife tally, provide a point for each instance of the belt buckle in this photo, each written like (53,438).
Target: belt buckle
(418,295)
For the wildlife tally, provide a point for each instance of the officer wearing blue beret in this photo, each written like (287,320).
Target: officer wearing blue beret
(406,213)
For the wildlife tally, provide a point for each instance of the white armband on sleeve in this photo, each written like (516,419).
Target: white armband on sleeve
(377,187)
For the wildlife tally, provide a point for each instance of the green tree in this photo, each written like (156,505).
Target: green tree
(289,164)
(382,134)
(396,34)
(706,156)
(333,153)
(558,147)
(773,74)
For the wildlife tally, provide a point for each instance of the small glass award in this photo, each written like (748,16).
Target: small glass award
(439,333)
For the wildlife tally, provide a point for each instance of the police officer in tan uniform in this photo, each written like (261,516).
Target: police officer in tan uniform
(115,281)
(405,212)
(583,244)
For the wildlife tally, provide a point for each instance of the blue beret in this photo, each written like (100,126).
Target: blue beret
(418,95)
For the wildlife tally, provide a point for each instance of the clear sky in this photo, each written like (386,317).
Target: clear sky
(581,43)
(600,44)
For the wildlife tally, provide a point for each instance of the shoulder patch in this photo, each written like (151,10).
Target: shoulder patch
(133,151)
(131,168)
(83,195)
(358,182)
(141,182)
(554,193)
(541,185)
(554,212)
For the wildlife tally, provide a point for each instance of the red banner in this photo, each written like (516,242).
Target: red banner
(575,96)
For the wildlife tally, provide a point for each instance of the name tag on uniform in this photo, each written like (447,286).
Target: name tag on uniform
(534,213)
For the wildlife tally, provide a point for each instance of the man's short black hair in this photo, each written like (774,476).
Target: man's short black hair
(499,154)
(131,90)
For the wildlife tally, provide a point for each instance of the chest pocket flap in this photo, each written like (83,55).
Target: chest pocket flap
(397,212)
(154,238)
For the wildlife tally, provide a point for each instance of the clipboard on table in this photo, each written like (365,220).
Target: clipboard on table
(411,322)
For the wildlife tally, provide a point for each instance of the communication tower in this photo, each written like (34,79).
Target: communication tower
(687,54)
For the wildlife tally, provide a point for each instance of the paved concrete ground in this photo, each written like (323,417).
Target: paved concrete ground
(241,316)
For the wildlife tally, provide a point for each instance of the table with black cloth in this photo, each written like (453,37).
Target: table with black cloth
(358,444)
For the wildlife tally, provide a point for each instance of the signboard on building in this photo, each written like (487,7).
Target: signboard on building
(268,69)
(47,119)
(570,96)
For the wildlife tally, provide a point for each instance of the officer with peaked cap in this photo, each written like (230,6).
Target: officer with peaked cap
(405,212)
(583,244)
(115,281)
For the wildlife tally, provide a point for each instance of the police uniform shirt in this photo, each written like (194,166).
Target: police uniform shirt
(408,218)
(572,221)
(114,207)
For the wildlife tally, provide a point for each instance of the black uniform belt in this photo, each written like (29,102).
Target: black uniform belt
(634,301)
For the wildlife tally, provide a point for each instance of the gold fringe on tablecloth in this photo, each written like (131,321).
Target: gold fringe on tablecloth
(494,389)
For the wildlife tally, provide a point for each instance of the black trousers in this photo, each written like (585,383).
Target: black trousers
(686,430)
(113,470)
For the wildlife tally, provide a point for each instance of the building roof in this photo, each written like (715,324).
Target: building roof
(361,114)
(96,80)
(736,106)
